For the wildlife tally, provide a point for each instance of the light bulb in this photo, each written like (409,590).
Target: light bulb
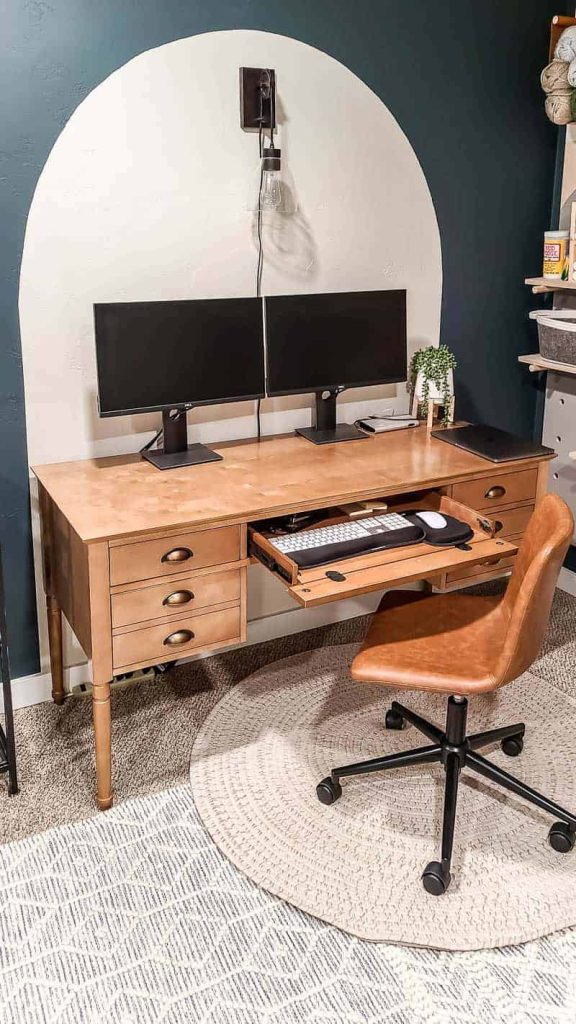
(271,187)
(271,191)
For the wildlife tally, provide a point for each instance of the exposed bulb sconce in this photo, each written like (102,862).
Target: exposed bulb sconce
(258,114)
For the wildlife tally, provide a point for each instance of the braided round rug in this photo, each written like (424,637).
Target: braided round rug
(357,864)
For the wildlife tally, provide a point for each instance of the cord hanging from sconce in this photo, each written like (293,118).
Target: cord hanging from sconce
(258,112)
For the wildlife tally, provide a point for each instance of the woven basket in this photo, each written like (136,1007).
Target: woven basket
(556,334)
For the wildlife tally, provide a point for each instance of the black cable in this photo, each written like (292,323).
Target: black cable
(173,416)
(260,263)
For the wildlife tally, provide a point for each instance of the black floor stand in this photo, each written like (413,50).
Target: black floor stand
(455,750)
(7,743)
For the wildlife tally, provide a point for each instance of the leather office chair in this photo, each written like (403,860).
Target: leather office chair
(460,645)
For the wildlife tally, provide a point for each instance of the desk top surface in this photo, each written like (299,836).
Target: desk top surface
(123,495)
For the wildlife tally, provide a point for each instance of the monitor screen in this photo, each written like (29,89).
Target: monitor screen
(350,339)
(158,355)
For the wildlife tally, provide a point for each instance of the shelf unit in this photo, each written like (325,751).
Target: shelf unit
(545,284)
(536,363)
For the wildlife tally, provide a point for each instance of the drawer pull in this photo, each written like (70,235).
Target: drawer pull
(178,597)
(485,525)
(498,524)
(181,636)
(177,555)
(495,492)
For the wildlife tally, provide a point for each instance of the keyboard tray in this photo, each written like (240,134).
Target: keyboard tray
(384,569)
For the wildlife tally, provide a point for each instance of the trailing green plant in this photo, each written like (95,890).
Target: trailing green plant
(435,365)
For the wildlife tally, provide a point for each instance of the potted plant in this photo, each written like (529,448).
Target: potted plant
(431,379)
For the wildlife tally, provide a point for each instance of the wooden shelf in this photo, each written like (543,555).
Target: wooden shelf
(537,362)
(544,284)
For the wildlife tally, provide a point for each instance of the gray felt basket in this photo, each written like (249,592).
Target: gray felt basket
(556,334)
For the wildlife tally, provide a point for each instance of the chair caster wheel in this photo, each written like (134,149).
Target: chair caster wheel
(328,791)
(561,837)
(393,719)
(513,745)
(435,878)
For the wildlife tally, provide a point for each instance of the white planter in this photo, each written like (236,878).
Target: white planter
(434,394)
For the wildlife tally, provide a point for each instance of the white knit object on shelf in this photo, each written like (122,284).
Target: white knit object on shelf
(554,77)
(558,107)
(566,45)
(572,73)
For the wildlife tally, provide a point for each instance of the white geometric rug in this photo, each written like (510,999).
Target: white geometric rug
(135,917)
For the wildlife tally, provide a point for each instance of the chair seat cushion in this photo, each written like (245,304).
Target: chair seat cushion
(447,643)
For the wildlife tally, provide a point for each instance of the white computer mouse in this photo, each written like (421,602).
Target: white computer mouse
(433,519)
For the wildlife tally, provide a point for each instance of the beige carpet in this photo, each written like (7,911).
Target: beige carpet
(154,723)
(357,864)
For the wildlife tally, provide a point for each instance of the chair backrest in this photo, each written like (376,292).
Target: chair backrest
(528,599)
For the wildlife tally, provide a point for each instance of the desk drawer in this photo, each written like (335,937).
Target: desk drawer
(512,522)
(383,569)
(163,556)
(468,573)
(176,638)
(498,489)
(175,598)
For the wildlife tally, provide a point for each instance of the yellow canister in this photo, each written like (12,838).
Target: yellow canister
(555,254)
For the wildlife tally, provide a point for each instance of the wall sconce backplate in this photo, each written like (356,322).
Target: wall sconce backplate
(257,98)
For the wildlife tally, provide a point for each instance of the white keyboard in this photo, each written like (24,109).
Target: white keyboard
(340,533)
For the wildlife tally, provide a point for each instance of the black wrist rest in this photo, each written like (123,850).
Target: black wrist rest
(307,558)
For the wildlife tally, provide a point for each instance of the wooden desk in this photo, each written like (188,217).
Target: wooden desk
(149,566)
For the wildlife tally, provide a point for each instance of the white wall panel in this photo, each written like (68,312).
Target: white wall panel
(144,197)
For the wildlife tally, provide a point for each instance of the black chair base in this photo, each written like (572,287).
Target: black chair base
(455,750)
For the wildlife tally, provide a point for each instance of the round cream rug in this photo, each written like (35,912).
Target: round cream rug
(357,864)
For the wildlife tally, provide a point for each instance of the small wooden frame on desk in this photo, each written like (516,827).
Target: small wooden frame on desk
(434,406)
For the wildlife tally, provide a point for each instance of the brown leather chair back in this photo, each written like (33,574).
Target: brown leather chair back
(528,599)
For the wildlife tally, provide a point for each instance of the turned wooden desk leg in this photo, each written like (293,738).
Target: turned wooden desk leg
(101,712)
(56,656)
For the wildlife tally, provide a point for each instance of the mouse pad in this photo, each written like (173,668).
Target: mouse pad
(455,531)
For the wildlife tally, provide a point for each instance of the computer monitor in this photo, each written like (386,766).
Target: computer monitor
(170,356)
(326,343)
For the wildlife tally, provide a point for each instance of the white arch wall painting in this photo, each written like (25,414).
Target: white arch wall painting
(144,196)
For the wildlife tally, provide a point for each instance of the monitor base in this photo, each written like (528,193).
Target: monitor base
(194,455)
(341,432)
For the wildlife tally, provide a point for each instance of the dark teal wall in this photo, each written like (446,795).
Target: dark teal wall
(462,80)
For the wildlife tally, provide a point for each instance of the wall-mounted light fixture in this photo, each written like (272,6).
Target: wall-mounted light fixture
(258,114)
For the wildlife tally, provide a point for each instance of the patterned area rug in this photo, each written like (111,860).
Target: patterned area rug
(135,917)
(357,864)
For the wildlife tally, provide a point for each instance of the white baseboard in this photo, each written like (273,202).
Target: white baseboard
(567,581)
(36,689)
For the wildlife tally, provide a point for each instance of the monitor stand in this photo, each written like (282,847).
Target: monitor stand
(327,431)
(176,452)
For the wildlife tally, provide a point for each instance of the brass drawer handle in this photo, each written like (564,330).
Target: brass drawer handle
(181,636)
(177,555)
(178,597)
(495,492)
(498,525)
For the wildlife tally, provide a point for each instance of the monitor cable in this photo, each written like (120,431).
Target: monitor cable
(158,436)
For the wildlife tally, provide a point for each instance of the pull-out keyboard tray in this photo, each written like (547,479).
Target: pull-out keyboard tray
(384,569)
